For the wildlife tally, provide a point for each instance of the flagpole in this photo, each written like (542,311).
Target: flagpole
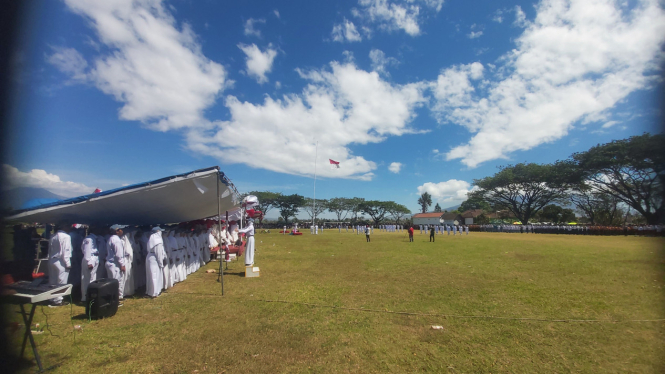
(316,155)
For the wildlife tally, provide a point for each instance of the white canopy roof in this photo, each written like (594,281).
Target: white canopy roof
(179,198)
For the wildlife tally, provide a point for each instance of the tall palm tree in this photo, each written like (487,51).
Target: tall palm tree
(425,200)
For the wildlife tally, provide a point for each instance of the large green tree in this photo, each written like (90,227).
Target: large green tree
(341,206)
(289,205)
(437,208)
(425,200)
(474,202)
(355,207)
(524,189)
(632,170)
(376,209)
(314,208)
(398,211)
(556,214)
(600,208)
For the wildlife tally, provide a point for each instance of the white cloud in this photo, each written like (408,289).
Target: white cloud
(70,62)
(397,15)
(346,31)
(451,191)
(38,178)
(498,16)
(380,61)
(340,106)
(155,69)
(250,29)
(395,167)
(474,34)
(573,63)
(520,17)
(609,124)
(276,12)
(258,63)
(453,87)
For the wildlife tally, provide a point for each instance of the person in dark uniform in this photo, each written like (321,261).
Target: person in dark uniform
(431,233)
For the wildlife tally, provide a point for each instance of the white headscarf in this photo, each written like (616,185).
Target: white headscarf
(155,240)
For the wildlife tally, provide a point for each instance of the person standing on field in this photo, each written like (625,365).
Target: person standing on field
(431,233)
(410,233)
(367,231)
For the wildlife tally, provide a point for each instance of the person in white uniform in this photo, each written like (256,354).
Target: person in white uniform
(59,259)
(166,272)
(249,248)
(89,264)
(127,240)
(101,248)
(182,253)
(173,268)
(233,231)
(115,259)
(155,263)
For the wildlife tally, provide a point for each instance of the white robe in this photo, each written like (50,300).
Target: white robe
(115,260)
(166,271)
(182,253)
(154,264)
(127,240)
(172,259)
(249,248)
(90,257)
(205,248)
(59,254)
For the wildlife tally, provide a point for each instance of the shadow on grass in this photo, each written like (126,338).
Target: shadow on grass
(240,273)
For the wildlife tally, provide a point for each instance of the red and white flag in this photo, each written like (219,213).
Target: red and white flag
(334,164)
(97,190)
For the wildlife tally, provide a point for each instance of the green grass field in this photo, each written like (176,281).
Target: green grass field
(333,303)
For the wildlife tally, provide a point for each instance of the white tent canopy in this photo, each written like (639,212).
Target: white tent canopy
(179,198)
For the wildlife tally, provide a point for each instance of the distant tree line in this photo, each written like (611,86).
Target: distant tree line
(604,184)
(345,209)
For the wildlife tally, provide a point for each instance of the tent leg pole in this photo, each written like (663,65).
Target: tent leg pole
(219,230)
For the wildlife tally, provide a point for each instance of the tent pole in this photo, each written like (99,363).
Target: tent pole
(219,231)
(316,155)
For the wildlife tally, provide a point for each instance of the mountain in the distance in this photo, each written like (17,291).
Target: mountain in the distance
(15,198)
(451,208)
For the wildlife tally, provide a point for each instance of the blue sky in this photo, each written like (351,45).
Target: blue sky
(410,96)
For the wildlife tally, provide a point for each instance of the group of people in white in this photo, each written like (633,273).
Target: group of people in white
(442,229)
(153,258)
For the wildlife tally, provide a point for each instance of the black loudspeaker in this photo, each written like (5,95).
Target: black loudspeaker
(103,298)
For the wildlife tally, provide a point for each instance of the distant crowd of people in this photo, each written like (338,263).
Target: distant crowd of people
(640,230)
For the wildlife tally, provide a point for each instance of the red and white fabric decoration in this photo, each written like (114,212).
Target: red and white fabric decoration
(334,164)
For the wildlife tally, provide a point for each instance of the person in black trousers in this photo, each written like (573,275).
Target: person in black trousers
(431,233)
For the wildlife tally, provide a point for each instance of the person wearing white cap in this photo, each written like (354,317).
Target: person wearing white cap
(115,259)
(155,263)
(89,263)
(249,250)
(59,255)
